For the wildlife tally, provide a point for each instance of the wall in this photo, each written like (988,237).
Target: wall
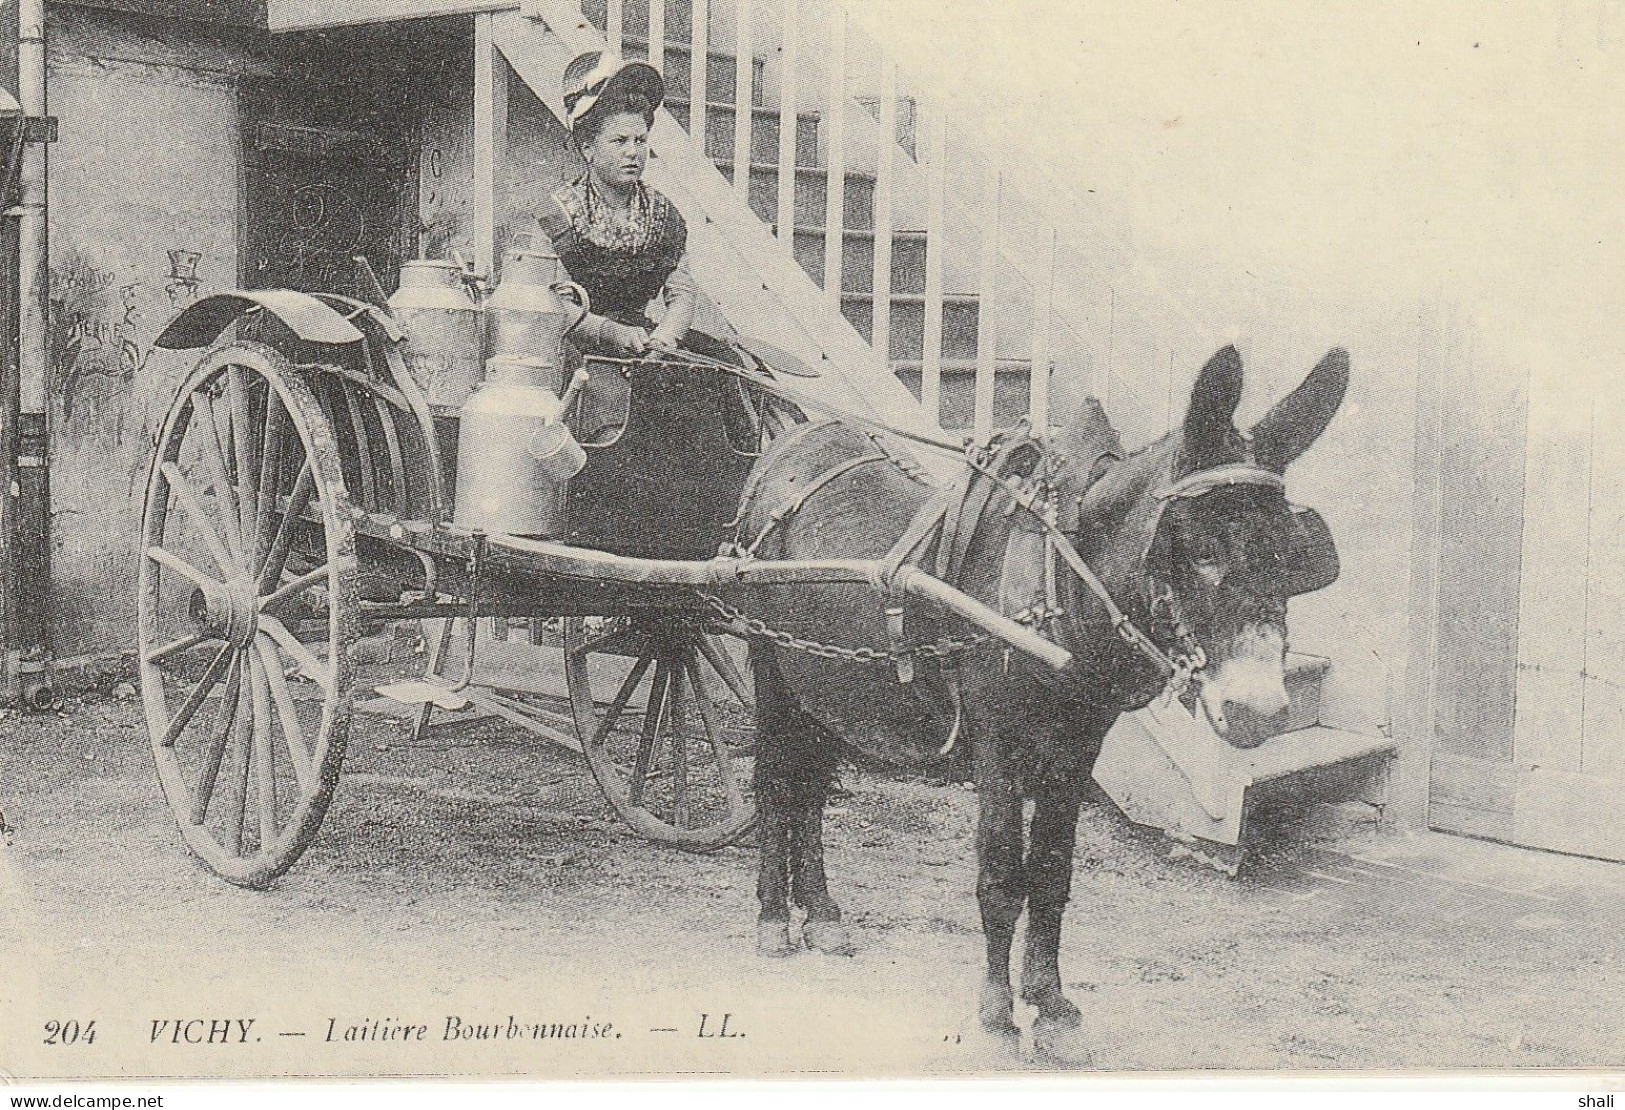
(1433,186)
(144,203)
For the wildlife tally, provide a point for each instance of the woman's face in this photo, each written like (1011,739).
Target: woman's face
(618,153)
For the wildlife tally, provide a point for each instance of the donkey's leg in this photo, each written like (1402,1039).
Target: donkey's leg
(1049,883)
(1000,881)
(776,745)
(808,883)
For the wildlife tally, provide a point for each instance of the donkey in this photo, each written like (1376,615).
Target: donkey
(1192,537)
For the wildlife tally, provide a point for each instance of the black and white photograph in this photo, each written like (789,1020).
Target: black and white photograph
(804,540)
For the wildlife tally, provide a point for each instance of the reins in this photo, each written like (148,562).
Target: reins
(1180,668)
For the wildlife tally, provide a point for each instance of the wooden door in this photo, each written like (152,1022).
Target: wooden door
(1529,738)
(319,192)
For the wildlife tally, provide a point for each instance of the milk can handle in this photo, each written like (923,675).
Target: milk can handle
(579,295)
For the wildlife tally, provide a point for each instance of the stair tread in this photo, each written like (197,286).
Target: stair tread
(807,171)
(682,46)
(962,365)
(853,232)
(762,110)
(1309,748)
(911,298)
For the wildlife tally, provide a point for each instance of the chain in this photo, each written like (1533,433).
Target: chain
(752,626)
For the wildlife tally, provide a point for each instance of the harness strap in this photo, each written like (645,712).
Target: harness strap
(928,519)
(747,495)
(1121,624)
(1231,474)
(961,528)
(790,508)
(953,520)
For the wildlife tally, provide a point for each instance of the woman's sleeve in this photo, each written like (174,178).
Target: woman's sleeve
(556,226)
(682,297)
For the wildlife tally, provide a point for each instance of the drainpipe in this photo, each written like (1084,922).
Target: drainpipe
(33,362)
(10,408)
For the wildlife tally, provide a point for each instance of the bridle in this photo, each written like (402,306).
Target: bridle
(1040,499)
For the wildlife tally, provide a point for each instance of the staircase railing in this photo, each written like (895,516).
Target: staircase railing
(985,256)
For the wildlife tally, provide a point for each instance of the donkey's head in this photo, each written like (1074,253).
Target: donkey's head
(1227,549)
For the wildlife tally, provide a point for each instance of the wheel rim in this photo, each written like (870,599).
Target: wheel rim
(247,604)
(664,714)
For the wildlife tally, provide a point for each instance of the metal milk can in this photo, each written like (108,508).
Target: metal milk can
(529,315)
(515,454)
(444,330)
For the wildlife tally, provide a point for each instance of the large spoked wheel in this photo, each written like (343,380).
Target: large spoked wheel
(665,717)
(246,609)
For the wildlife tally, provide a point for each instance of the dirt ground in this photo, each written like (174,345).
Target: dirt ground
(479,877)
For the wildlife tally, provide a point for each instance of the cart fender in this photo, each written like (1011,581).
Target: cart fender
(306,316)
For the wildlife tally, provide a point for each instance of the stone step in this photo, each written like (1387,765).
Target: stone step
(764,131)
(1304,676)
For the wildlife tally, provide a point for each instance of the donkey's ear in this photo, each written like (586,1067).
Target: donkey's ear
(1214,398)
(1297,419)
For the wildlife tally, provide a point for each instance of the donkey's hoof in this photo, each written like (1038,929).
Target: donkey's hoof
(1054,1009)
(996,1010)
(828,937)
(773,939)
(1059,1045)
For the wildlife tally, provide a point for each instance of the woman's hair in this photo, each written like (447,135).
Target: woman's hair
(615,102)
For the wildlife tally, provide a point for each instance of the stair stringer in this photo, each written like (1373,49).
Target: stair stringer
(744,269)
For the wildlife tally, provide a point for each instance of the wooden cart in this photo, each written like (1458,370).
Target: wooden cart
(300,491)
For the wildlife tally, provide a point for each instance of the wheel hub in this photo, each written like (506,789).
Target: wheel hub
(226,611)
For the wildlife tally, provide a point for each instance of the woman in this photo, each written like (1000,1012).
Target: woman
(620,240)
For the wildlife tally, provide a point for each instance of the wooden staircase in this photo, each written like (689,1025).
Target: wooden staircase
(950,351)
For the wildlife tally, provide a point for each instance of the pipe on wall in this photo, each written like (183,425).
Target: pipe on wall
(10,409)
(31,539)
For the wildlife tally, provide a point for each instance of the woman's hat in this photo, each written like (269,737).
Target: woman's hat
(589,76)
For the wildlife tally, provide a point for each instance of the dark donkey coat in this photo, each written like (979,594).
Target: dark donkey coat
(863,513)
(831,491)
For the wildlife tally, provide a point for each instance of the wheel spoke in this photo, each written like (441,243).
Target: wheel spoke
(297,586)
(215,454)
(243,440)
(194,700)
(716,737)
(193,503)
(397,460)
(237,800)
(270,460)
(611,643)
(277,558)
(313,668)
(264,766)
(175,647)
(184,569)
(723,664)
(677,730)
(653,718)
(613,712)
(282,698)
(224,723)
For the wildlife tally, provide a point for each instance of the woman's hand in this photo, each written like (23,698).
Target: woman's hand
(632,340)
(661,339)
